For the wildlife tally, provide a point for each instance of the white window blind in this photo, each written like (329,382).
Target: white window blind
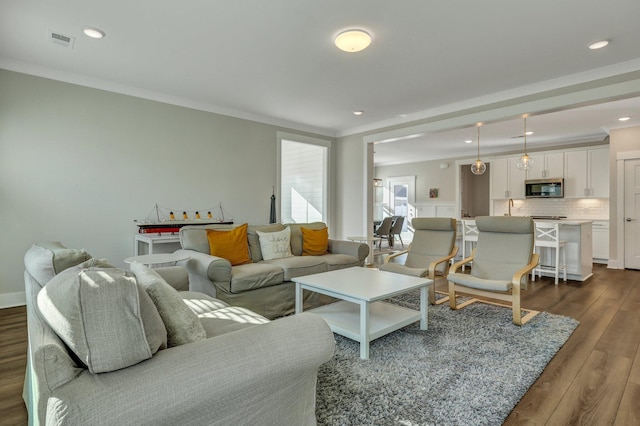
(303,181)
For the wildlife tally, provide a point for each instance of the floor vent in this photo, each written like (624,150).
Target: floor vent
(61,39)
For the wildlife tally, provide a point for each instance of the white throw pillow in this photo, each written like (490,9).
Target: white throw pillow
(275,245)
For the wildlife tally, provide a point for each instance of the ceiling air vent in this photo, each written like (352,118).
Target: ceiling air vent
(61,39)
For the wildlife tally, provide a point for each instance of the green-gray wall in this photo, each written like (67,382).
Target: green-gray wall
(78,165)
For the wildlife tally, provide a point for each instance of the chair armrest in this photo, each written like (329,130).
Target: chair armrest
(352,248)
(258,375)
(459,264)
(517,277)
(433,265)
(205,270)
(394,255)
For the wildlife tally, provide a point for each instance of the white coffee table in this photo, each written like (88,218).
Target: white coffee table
(360,315)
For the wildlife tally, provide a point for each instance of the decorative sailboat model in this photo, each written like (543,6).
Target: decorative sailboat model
(160,222)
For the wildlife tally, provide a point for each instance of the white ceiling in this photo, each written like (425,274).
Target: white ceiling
(274,61)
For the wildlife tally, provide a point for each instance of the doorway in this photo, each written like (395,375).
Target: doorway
(474,192)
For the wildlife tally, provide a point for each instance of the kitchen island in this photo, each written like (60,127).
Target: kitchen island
(579,247)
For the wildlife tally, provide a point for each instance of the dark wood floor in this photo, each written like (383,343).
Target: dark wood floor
(593,380)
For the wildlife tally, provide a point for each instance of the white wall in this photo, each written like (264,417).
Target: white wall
(78,165)
(428,175)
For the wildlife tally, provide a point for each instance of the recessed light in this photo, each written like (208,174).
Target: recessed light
(598,44)
(468,141)
(624,118)
(353,40)
(93,32)
(358,112)
(529,132)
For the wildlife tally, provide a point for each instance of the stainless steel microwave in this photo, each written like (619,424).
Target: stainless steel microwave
(544,188)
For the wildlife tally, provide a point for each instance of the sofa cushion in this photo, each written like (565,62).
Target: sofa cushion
(103,316)
(254,275)
(297,266)
(182,323)
(296,234)
(315,242)
(339,261)
(254,239)
(231,245)
(275,245)
(45,260)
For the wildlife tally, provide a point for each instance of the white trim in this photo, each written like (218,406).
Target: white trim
(10,300)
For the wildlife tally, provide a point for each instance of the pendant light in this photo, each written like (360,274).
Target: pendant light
(525,162)
(478,167)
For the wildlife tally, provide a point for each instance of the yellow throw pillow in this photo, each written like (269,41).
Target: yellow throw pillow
(315,242)
(231,245)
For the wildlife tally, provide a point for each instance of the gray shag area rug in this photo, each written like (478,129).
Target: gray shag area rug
(471,367)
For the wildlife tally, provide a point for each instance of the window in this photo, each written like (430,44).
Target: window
(304,178)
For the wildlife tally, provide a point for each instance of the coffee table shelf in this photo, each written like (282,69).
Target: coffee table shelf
(344,318)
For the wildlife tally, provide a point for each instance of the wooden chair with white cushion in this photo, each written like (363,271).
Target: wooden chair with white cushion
(548,237)
(430,252)
(502,260)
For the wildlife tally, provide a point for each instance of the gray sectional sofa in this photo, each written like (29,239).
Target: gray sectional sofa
(110,347)
(263,286)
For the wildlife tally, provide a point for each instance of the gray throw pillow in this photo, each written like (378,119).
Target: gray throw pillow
(103,316)
(45,260)
(182,324)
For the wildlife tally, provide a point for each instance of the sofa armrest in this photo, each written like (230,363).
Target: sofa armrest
(205,271)
(259,375)
(352,248)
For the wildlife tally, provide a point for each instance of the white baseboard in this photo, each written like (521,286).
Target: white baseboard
(9,300)
(613,264)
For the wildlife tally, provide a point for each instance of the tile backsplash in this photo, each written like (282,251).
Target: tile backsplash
(572,208)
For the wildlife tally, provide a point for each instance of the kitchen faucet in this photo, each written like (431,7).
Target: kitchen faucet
(510,205)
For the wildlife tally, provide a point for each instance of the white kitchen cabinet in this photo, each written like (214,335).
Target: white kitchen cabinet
(598,177)
(546,166)
(600,230)
(507,181)
(586,173)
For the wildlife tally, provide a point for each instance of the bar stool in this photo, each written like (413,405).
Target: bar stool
(548,237)
(469,235)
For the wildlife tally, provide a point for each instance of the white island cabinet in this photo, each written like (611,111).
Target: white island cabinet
(579,237)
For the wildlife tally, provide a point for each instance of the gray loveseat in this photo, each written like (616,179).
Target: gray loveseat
(264,286)
(240,369)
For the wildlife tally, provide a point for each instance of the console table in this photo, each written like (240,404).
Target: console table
(153,240)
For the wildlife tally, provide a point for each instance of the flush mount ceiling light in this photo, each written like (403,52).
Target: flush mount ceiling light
(353,40)
(525,162)
(624,118)
(358,112)
(598,44)
(478,167)
(93,32)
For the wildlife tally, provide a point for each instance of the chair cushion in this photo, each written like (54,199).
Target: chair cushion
(275,245)
(434,223)
(45,260)
(228,319)
(479,283)
(231,245)
(182,323)
(315,242)
(404,270)
(103,316)
(201,303)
